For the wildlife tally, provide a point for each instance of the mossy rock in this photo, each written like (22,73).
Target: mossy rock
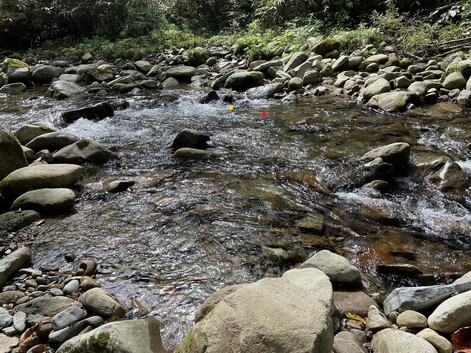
(197,56)
(14,63)
(11,154)
(326,46)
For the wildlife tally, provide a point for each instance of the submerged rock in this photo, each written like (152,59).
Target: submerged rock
(397,154)
(265,91)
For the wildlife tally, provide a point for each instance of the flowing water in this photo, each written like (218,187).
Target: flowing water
(188,228)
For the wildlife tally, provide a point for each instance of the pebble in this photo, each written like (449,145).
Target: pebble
(9,331)
(87,283)
(5,320)
(71,287)
(56,292)
(67,317)
(19,321)
(23,300)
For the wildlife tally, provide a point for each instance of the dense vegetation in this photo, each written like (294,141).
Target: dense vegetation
(134,28)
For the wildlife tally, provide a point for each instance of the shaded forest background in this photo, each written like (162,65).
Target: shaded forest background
(117,27)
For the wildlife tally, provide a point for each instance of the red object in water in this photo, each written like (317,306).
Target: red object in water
(264,114)
(462,340)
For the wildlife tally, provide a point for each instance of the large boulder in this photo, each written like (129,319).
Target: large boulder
(28,132)
(11,264)
(40,176)
(13,88)
(46,73)
(83,151)
(336,267)
(452,314)
(396,341)
(132,336)
(16,70)
(243,80)
(346,342)
(181,73)
(295,60)
(98,301)
(46,305)
(51,141)
(441,344)
(379,86)
(454,80)
(271,315)
(214,299)
(326,46)
(64,89)
(391,101)
(315,282)
(397,154)
(46,201)
(102,73)
(11,154)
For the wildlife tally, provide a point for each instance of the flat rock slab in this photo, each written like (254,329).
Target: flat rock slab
(11,264)
(40,176)
(46,201)
(46,305)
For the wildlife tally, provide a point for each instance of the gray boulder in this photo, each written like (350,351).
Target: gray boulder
(11,264)
(295,83)
(40,176)
(46,201)
(396,341)
(379,86)
(46,305)
(441,344)
(390,101)
(214,299)
(376,320)
(336,267)
(411,319)
(397,154)
(346,342)
(11,154)
(311,77)
(28,132)
(83,151)
(96,112)
(452,314)
(46,73)
(181,73)
(315,282)
(13,88)
(419,298)
(265,91)
(64,89)
(271,315)
(454,80)
(102,73)
(421,87)
(51,141)
(132,336)
(295,60)
(243,80)
(464,98)
(375,59)
(68,316)
(101,303)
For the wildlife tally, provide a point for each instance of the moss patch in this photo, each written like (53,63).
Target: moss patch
(15,63)
(100,341)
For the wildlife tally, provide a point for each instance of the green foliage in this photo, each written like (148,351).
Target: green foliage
(197,56)
(361,38)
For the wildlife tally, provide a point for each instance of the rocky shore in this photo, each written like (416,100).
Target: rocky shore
(319,306)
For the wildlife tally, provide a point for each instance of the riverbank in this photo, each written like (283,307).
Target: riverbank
(442,175)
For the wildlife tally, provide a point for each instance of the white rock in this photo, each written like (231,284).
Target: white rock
(336,267)
(452,314)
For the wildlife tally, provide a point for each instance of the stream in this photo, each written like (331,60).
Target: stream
(190,227)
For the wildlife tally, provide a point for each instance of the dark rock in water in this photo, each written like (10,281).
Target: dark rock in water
(190,138)
(96,112)
(119,185)
(210,97)
(228,98)
(398,269)
(13,221)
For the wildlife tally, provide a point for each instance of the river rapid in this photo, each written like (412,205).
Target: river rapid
(188,228)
